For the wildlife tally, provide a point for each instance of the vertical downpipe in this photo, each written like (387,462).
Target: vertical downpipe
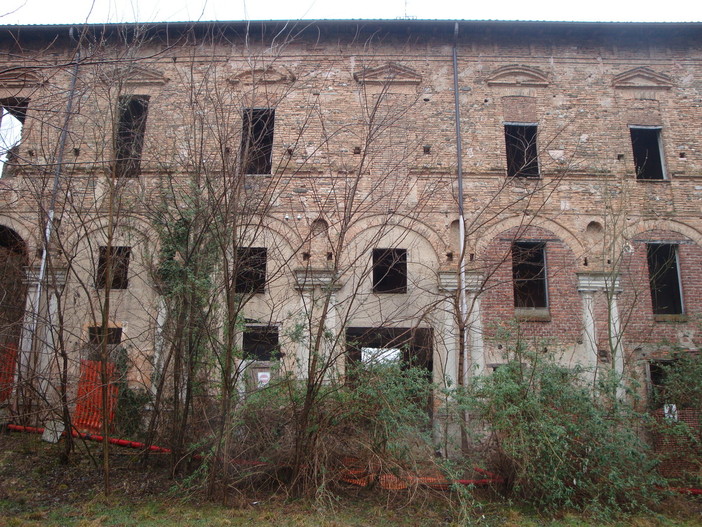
(461,215)
(48,229)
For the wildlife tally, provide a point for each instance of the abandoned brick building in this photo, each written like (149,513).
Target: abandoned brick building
(430,190)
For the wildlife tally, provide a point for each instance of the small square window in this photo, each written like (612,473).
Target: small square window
(522,153)
(260,343)
(251,270)
(116,259)
(389,270)
(129,139)
(648,159)
(664,278)
(257,140)
(529,274)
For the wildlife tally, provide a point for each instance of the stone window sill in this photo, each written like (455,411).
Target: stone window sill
(671,318)
(533,314)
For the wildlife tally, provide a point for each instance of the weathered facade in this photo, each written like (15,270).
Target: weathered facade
(328,154)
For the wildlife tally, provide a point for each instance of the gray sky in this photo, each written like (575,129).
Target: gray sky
(59,12)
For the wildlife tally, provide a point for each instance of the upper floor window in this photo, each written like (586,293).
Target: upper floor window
(12,114)
(250,270)
(257,140)
(389,270)
(648,152)
(116,261)
(664,278)
(522,153)
(129,137)
(529,275)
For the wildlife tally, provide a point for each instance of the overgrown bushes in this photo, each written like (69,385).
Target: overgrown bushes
(561,442)
(558,437)
(677,424)
(377,419)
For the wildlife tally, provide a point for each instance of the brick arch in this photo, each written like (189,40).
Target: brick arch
(130,223)
(281,229)
(647,226)
(421,229)
(482,240)
(23,231)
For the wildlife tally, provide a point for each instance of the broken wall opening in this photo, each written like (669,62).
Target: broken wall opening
(13,292)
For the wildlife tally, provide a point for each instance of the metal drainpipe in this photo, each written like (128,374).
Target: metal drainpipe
(461,217)
(54,193)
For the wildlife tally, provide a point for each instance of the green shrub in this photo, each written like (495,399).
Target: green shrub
(378,416)
(560,442)
(680,436)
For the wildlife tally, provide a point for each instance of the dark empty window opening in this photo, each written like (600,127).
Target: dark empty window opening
(658,372)
(112,335)
(664,278)
(129,138)
(646,143)
(389,270)
(257,140)
(12,115)
(251,270)
(522,154)
(260,343)
(410,346)
(116,261)
(529,274)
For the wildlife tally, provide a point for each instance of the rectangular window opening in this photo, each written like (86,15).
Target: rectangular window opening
(529,275)
(664,279)
(113,338)
(116,260)
(13,112)
(257,140)
(260,343)
(250,270)
(522,153)
(389,270)
(95,335)
(646,144)
(132,111)
(658,372)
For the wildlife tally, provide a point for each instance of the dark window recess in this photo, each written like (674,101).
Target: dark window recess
(658,371)
(116,260)
(529,274)
(261,343)
(414,344)
(647,152)
(13,112)
(257,140)
(666,296)
(129,139)
(389,270)
(96,333)
(250,270)
(112,336)
(522,154)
